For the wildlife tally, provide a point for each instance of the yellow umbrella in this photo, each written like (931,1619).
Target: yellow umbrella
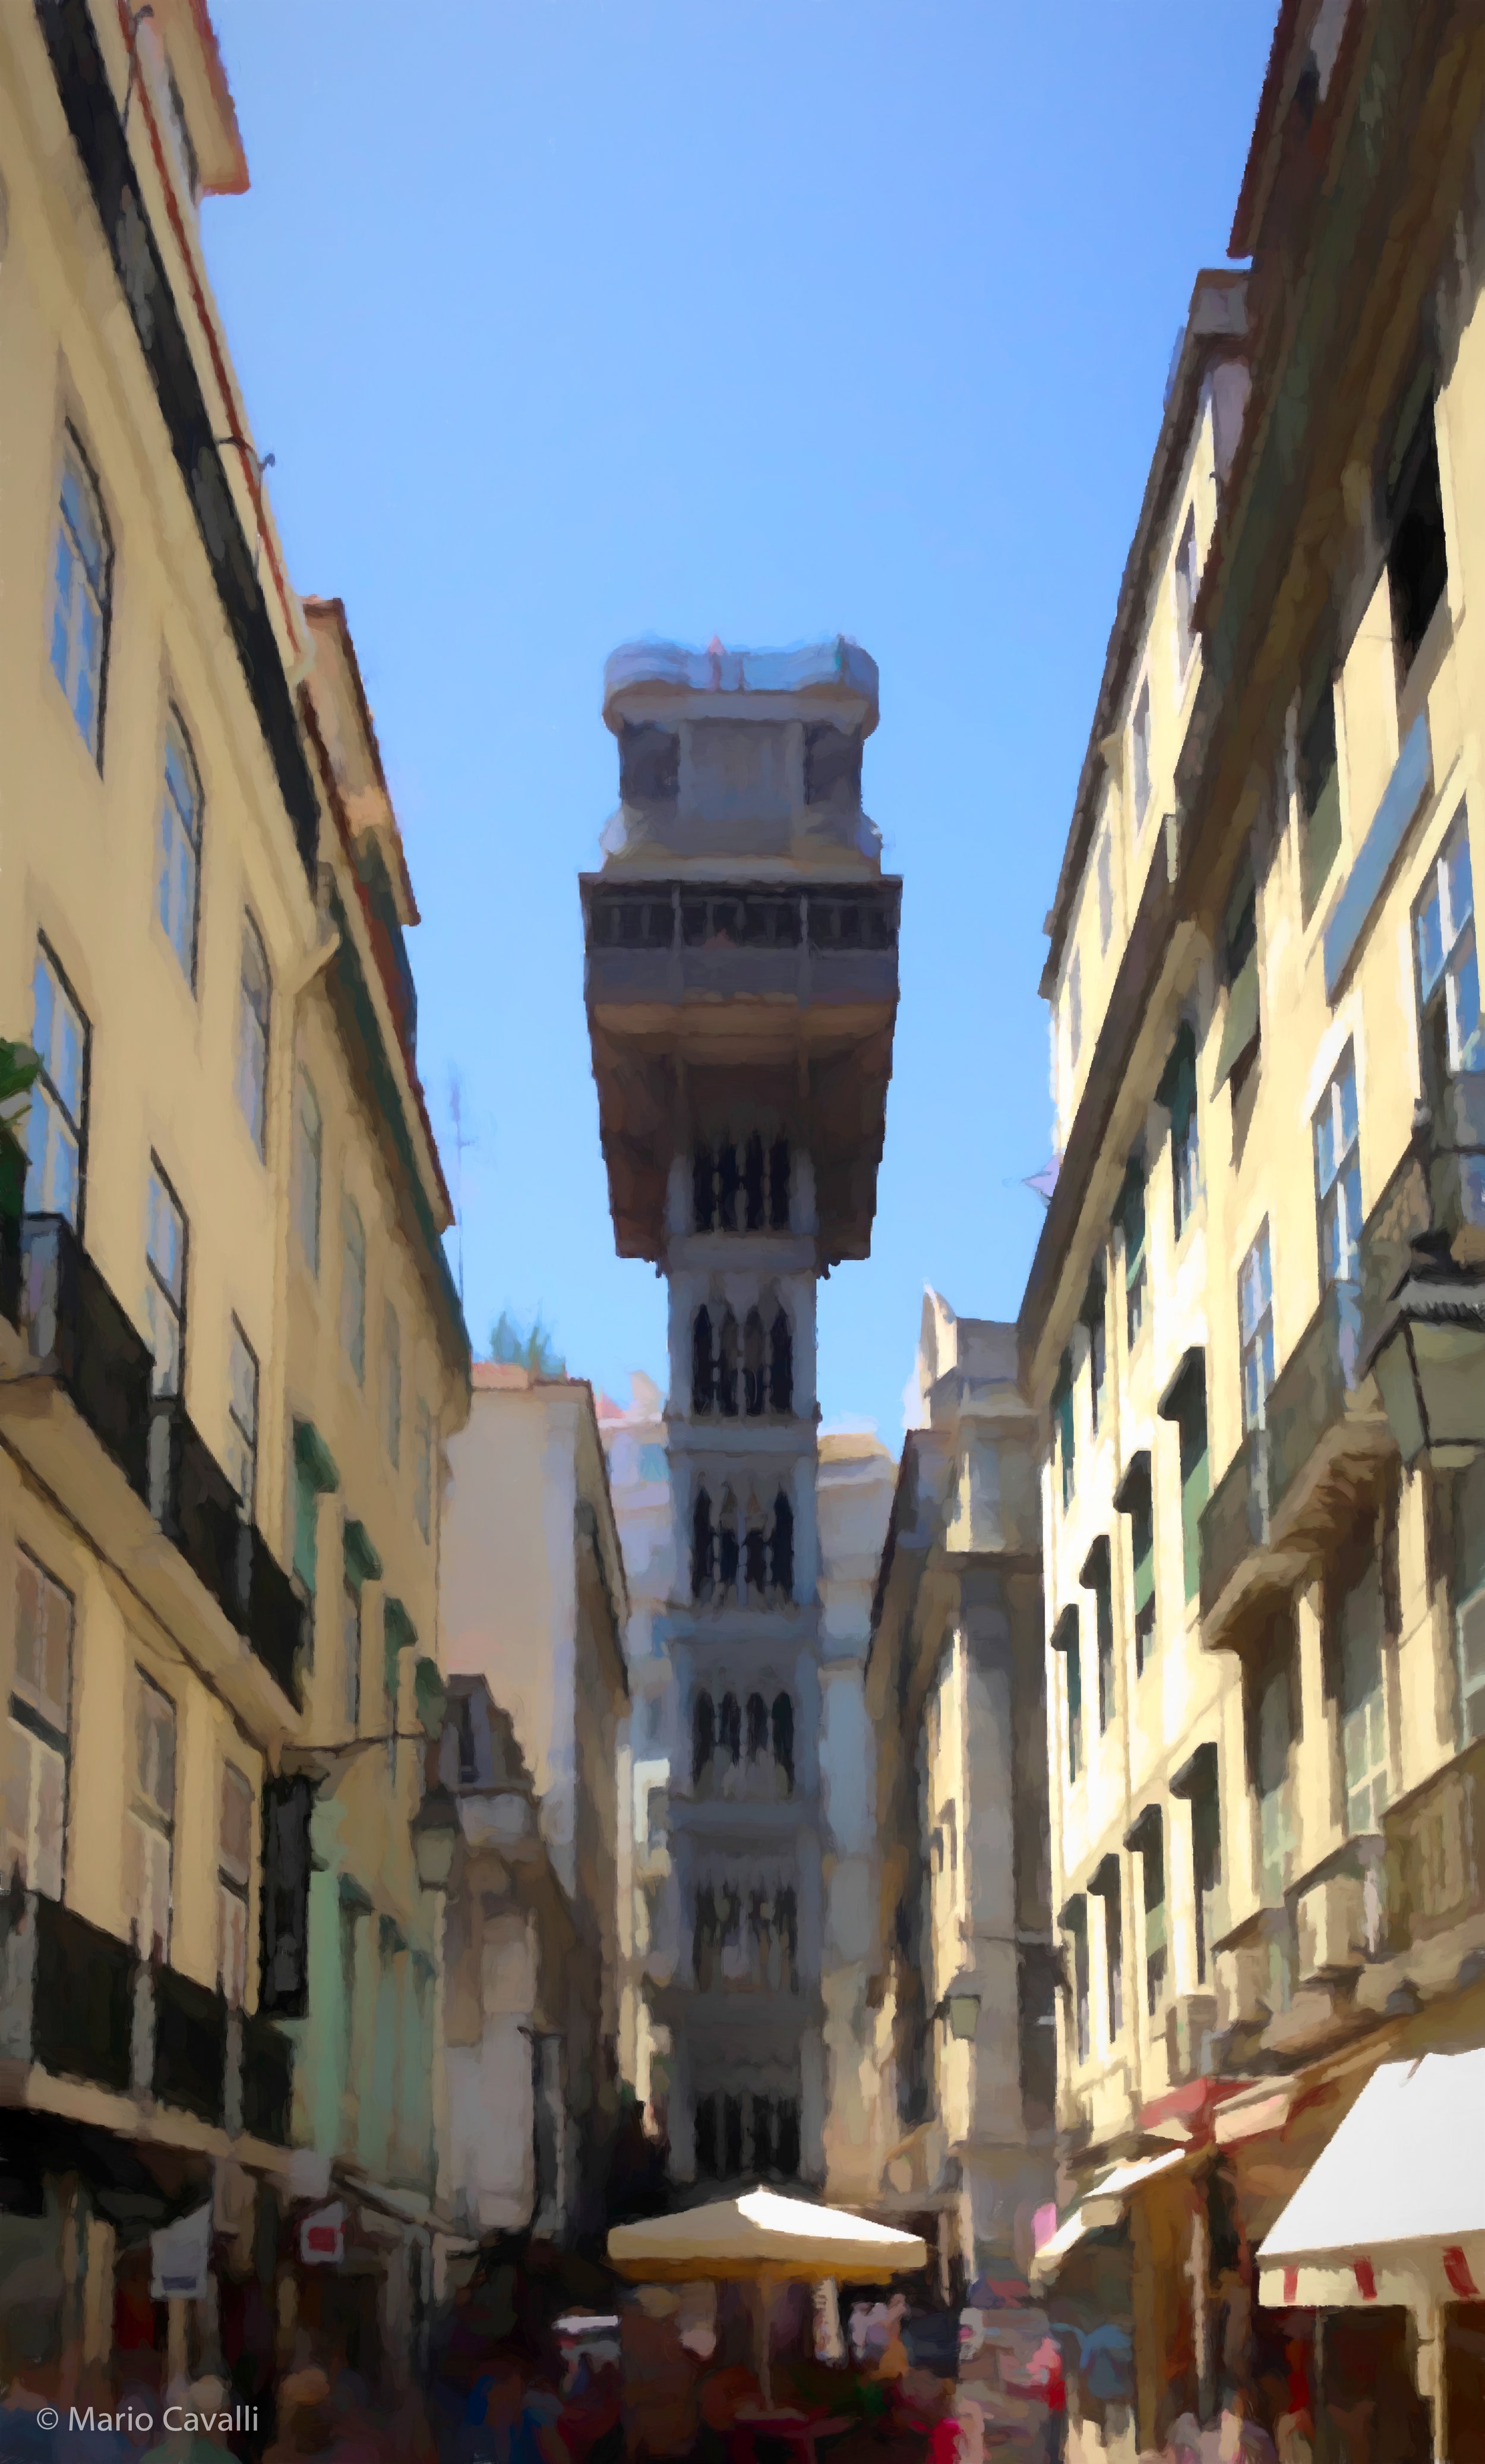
(764,2239)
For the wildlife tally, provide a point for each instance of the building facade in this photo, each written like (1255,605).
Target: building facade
(965,2054)
(534,1602)
(198,935)
(1261,1584)
(741,985)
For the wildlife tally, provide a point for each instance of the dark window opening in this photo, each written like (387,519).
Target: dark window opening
(730,1729)
(703,1547)
(1094,1319)
(727,1547)
(783,1735)
(757,1727)
(1318,783)
(701,1361)
(755,1366)
(727,1187)
(704,1190)
(726,1385)
(703,1737)
(781,1550)
(778,1186)
(1417,562)
(752,1183)
(649,765)
(832,766)
(780,1365)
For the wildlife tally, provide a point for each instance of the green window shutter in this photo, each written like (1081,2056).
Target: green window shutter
(398,1634)
(1195,1482)
(1241,1030)
(1141,1535)
(1063,1419)
(363,1563)
(1131,1213)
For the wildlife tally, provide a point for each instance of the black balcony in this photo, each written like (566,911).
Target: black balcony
(189,2066)
(278,1616)
(66,1991)
(834,941)
(79,1336)
(267,2081)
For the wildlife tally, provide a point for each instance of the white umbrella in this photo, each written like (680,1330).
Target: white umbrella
(765,2239)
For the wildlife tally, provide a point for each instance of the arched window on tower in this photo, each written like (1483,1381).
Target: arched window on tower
(727,1186)
(782,1548)
(728,1348)
(726,1549)
(755,1382)
(757,1727)
(754,1201)
(778,1186)
(704,1190)
(730,1729)
(783,1736)
(755,1557)
(780,1364)
(703,1737)
(703,1547)
(703,1366)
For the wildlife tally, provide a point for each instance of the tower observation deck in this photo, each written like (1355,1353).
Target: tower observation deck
(741,987)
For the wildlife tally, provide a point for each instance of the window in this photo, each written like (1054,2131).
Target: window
(1077,1924)
(1468,1590)
(1188,575)
(308,1168)
(353,1289)
(1148,1839)
(1177,1093)
(40,1722)
(1095,1318)
(242,1418)
(1319,785)
(1338,1177)
(1448,970)
(1273,1743)
(1363,1743)
(1096,1576)
(176,894)
(1131,1224)
(234,1878)
(423,1470)
(1417,561)
(1237,1051)
(151,1833)
(80,575)
(1135,1498)
(1106,884)
(254,1000)
(1105,1886)
(1186,1404)
(392,1385)
(1064,1426)
(1140,753)
(58,1099)
(1256,1329)
(314,1476)
(1075,1009)
(1064,1642)
(350,1651)
(1198,1782)
(164,1287)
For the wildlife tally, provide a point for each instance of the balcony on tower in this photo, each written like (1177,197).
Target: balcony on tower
(741,924)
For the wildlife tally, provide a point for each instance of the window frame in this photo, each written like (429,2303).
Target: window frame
(173,823)
(309,1143)
(1329,1117)
(234,1884)
(1136,1258)
(1141,744)
(392,1383)
(77,463)
(51,1093)
(1185,588)
(1251,1343)
(254,1034)
(422,1472)
(155,1280)
(149,1814)
(353,1249)
(245,1434)
(1438,993)
(44,1721)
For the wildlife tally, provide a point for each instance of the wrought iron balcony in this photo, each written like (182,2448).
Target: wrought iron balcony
(188,2068)
(267,2081)
(1234,1521)
(66,1992)
(80,1335)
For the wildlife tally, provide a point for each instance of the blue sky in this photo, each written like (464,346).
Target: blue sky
(568,321)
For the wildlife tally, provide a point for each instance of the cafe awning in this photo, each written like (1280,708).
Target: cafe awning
(763,2235)
(1103,2205)
(1394,2208)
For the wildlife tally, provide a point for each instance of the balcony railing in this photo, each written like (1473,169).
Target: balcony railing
(1235,1518)
(80,1335)
(267,2081)
(66,1992)
(651,940)
(190,2045)
(1313,1392)
(1436,1852)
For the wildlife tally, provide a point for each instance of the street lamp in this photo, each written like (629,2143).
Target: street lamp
(961,2008)
(1427,1355)
(435,1838)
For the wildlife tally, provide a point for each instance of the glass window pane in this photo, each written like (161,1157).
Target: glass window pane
(43,1018)
(1457,878)
(1468,1044)
(1325,1145)
(1430,930)
(1345,1086)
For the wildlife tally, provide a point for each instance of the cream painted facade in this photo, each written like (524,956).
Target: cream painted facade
(204,908)
(961,2138)
(1263,1665)
(533,1601)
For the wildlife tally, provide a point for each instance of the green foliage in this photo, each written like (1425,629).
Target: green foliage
(530,1347)
(18,1067)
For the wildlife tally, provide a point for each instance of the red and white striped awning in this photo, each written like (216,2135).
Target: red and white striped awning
(1392,2211)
